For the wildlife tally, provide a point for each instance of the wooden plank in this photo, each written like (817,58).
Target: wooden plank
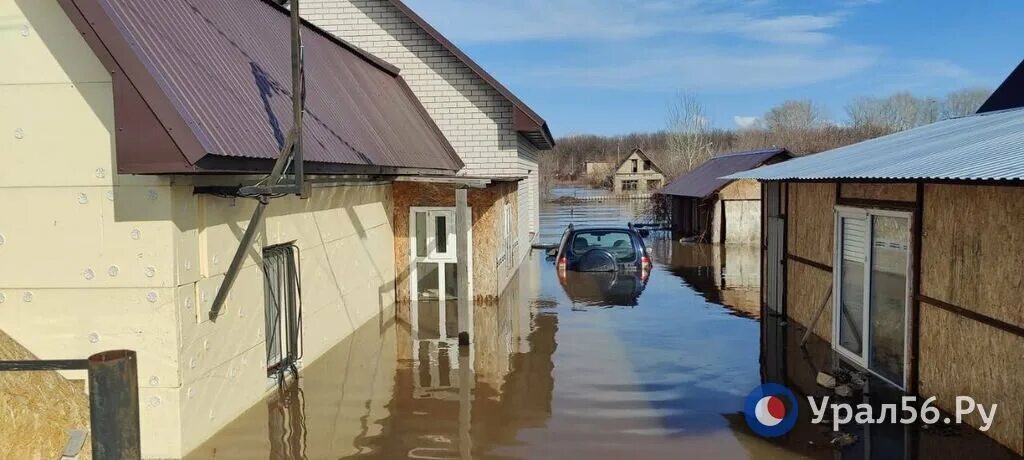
(462,263)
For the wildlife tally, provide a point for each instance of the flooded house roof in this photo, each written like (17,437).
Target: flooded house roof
(526,121)
(708,177)
(205,86)
(639,152)
(986,146)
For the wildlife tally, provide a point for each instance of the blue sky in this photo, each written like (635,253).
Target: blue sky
(612,66)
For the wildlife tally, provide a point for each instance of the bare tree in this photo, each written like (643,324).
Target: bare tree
(796,115)
(965,102)
(689,135)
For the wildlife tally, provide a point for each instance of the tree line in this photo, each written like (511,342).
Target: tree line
(801,126)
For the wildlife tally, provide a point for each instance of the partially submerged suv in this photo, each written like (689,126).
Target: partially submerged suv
(603,249)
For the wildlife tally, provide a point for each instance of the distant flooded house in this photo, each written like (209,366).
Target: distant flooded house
(134,124)
(707,208)
(496,135)
(637,174)
(911,245)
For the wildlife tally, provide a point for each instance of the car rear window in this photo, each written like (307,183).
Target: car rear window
(618,243)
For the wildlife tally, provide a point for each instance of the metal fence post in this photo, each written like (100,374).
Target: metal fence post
(114,405)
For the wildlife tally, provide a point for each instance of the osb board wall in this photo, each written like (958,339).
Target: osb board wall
(806,288)
(810,219)
(889,192)
(973,241)
(486,234)
(741,190)
(38,409)
(960,356)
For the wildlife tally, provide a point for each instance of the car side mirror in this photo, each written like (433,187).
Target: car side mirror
(552,252)
(649,251)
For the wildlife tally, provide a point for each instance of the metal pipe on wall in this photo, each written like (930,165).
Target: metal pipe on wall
(114,405)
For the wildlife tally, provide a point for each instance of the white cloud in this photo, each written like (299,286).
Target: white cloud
(610,20)
(711,70)
(744,122)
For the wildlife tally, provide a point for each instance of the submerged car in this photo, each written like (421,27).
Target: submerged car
(603,266)
(603,249)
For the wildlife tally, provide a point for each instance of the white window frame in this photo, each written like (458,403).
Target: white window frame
(847,212)
(448,257)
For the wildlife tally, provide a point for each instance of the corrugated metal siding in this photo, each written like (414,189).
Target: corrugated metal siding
(226,65)
(707,178)
(986,146)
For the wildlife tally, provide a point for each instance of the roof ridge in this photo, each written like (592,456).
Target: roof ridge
(750,152)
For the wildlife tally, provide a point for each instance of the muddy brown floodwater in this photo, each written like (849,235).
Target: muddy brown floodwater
(614,369)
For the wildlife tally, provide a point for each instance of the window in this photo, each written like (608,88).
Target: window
(629,185)
(618,243)
(647,165)
(873,250)
(635,165)
(653,184)
(282,305)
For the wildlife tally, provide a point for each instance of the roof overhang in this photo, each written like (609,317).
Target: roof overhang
(459,181)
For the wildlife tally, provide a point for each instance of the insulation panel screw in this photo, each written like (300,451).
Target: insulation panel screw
(152,195)
(89,274)
(27,297)
(136,234)
(19,133)
(3,297)
(150,272)
(113,271)
(94,337)
(154,401)
(2,239)
(83,198)
(188,303)
(25,30)
(110,195)
(154,381)
(101,173)
(152,297)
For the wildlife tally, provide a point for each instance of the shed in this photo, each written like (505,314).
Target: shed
(707,208)
(903,252)
(637,173)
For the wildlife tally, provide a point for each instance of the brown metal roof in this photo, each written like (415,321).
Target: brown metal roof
(707,178)
(526,121)
(215,75)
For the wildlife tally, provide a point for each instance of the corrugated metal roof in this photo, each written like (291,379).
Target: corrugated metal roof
(707,178)
(988,146)
(224,66)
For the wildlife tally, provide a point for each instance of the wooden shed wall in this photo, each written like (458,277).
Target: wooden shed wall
(972,245)
(741,190)
(970,259)
(887,192)
(809,223)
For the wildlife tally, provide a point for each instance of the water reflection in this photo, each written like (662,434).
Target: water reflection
(728,275)
(612,289)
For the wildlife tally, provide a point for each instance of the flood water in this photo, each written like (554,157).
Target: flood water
(655,370)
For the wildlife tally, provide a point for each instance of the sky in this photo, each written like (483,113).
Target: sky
(614,66)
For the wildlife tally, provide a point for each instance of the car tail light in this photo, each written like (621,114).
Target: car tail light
(645,262)
(563,263)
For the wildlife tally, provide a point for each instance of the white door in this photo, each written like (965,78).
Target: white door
(434,290)
(872,284)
